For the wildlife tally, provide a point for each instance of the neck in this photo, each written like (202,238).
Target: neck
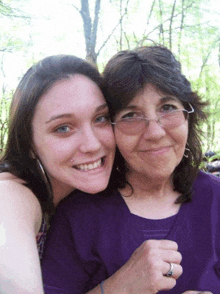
(151,198)
(155,187)
(59,193)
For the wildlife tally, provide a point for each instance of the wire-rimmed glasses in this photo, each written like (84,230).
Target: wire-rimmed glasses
(167,120)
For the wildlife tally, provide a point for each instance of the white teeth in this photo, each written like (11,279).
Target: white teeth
(90,166)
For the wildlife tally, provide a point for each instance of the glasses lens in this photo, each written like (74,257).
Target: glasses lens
(173,119)
(131,126)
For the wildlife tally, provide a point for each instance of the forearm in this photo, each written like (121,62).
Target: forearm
(20,270)
(19,260)
(139,275)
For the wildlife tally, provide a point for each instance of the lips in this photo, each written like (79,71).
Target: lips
(91,165)
(158,149)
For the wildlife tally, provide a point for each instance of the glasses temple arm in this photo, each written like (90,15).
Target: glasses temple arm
(192,109)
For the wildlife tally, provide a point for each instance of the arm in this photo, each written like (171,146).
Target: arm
(74,260)
(63,267)
(144,272)
(65,272)
(20,220)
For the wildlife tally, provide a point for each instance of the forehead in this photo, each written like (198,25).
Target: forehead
(73,95)
(150,95)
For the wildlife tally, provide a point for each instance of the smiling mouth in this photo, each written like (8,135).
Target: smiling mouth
(90,166)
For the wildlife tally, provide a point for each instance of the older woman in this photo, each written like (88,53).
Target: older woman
(162,204)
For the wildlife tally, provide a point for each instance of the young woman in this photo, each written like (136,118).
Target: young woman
(60,139)
(158,231)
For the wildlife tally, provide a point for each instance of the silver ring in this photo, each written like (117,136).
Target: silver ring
(170,272)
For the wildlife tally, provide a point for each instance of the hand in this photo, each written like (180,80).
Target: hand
(145,271)
(197,292)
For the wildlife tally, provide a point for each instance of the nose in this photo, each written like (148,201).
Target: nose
(153,130)
(89,141)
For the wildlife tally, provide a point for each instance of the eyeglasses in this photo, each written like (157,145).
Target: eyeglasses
(168,120)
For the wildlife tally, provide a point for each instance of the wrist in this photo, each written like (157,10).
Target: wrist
(113,285)
(102,287)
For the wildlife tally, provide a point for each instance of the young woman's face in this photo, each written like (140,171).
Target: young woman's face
(73,137)
(154,152)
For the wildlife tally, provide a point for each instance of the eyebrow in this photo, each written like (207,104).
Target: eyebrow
(162,100)
(68,115)
(169,98)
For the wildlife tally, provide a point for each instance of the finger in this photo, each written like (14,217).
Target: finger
(162,248)
(166,284)
(171,256)
(163,244)
(177,270)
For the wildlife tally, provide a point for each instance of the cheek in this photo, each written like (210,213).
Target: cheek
(180,137)
(52,150)
(183,134)
(107,138)
(124,143)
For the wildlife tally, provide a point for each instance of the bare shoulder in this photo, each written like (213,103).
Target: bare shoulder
(6,176)
(18,200)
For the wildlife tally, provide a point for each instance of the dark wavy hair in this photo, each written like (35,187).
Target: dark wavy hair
(126,74)
(17,158)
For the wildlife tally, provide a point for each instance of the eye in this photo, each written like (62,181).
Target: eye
(62,129)
(169,107)
(103,119)
(129,115)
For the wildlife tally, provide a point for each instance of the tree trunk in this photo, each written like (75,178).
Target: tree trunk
(90,29)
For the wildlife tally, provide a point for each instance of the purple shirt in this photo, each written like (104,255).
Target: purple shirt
(92,236)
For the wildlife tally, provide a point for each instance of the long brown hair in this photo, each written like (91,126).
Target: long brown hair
(17,158)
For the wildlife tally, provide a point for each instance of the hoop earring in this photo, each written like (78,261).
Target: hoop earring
(41,168)
(186,150)
(44,175)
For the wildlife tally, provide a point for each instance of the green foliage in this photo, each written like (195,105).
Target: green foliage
(5,9)
(189,28)
(4,114)
(214,157)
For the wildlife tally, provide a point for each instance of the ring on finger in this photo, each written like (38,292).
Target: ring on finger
(170,271)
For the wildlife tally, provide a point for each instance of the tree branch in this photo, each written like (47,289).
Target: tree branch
(161,19)
(87,23)
(112,32)
(171,22)
(167,20)
(205,59)
(95,22)
(181,28)
(8,11)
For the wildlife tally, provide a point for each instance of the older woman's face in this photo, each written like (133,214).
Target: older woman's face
(153,151)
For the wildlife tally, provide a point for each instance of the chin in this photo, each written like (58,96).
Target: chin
(94,189)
